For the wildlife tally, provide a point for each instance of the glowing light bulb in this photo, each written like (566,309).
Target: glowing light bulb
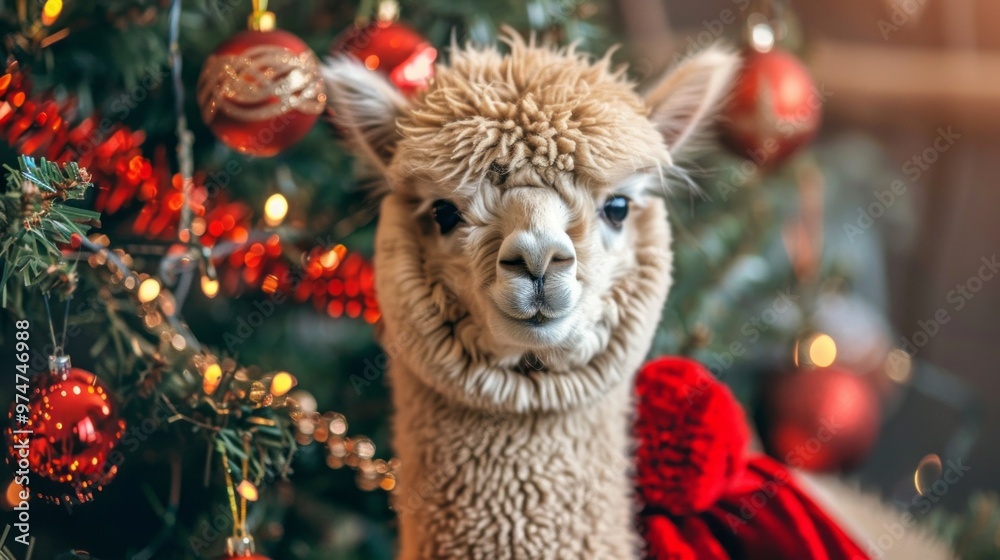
(822,350)
(50,11)
(211,378)
(247,490)
(275,209)
(282,383)
(16,494)
(209,286)
(149,289)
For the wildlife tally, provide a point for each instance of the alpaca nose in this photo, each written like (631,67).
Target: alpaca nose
(533,254)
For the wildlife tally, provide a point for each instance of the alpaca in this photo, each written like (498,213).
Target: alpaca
(522,264)
(521,269)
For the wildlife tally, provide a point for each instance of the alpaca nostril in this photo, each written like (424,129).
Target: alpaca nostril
(531,255)
(563,259)
(514,263)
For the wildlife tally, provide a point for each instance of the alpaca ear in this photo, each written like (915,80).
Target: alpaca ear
(686,99)
(365,105)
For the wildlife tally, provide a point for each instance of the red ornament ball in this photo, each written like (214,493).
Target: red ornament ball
(773,110)
(691,434)
(825,419)
(261,91)
(246,557)
(393,49)
(74,426)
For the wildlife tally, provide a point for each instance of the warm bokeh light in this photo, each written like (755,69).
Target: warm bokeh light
(270,284)
(762,37)
(307,403)
(51,11)
(211,379)
(331,258)
(899,365)
(282,383)
(209,286)
(149,289)
(928,472)
(178,342)
(247,490)
(275,209)
(822,350)
(13,494)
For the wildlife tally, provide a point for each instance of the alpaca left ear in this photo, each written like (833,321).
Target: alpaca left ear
(686,99)
(365,105)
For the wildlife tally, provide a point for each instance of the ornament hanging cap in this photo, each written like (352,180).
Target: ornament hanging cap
(261,19)
(240,546)
(386,12)
(764,27)
(59,364)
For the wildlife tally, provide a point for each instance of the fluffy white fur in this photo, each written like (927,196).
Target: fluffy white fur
(512,395)
(882,532)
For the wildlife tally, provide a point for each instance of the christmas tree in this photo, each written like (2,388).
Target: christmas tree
(186,269)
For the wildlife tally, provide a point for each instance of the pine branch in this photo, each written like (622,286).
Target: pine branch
(35,219)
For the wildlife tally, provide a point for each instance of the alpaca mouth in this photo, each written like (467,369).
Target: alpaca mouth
(538,319)
(537,330)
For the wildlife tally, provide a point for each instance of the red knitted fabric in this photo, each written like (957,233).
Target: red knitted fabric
(704,498)
(691,434)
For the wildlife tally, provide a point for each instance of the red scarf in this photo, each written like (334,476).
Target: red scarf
(704,497)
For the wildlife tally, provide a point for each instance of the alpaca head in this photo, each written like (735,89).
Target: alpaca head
(519,235)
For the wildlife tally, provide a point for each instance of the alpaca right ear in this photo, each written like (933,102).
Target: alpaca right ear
(365,105)
(685,100)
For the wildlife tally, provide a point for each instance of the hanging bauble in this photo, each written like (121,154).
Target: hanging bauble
(774,107)
(66,434)
(823,419)
(393,49)
(260,91)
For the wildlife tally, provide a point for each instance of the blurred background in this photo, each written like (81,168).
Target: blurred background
(836,254)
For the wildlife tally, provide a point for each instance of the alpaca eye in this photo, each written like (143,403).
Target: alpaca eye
(615,210)
(446,215)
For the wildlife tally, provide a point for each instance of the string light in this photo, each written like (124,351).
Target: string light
(209,286)
(899,365)
(51,11)
(282,383)
(247,490)
(815,350)
(356,452)
(13,493)
(822,350)
(275,209)
(148,290)
(211,378)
